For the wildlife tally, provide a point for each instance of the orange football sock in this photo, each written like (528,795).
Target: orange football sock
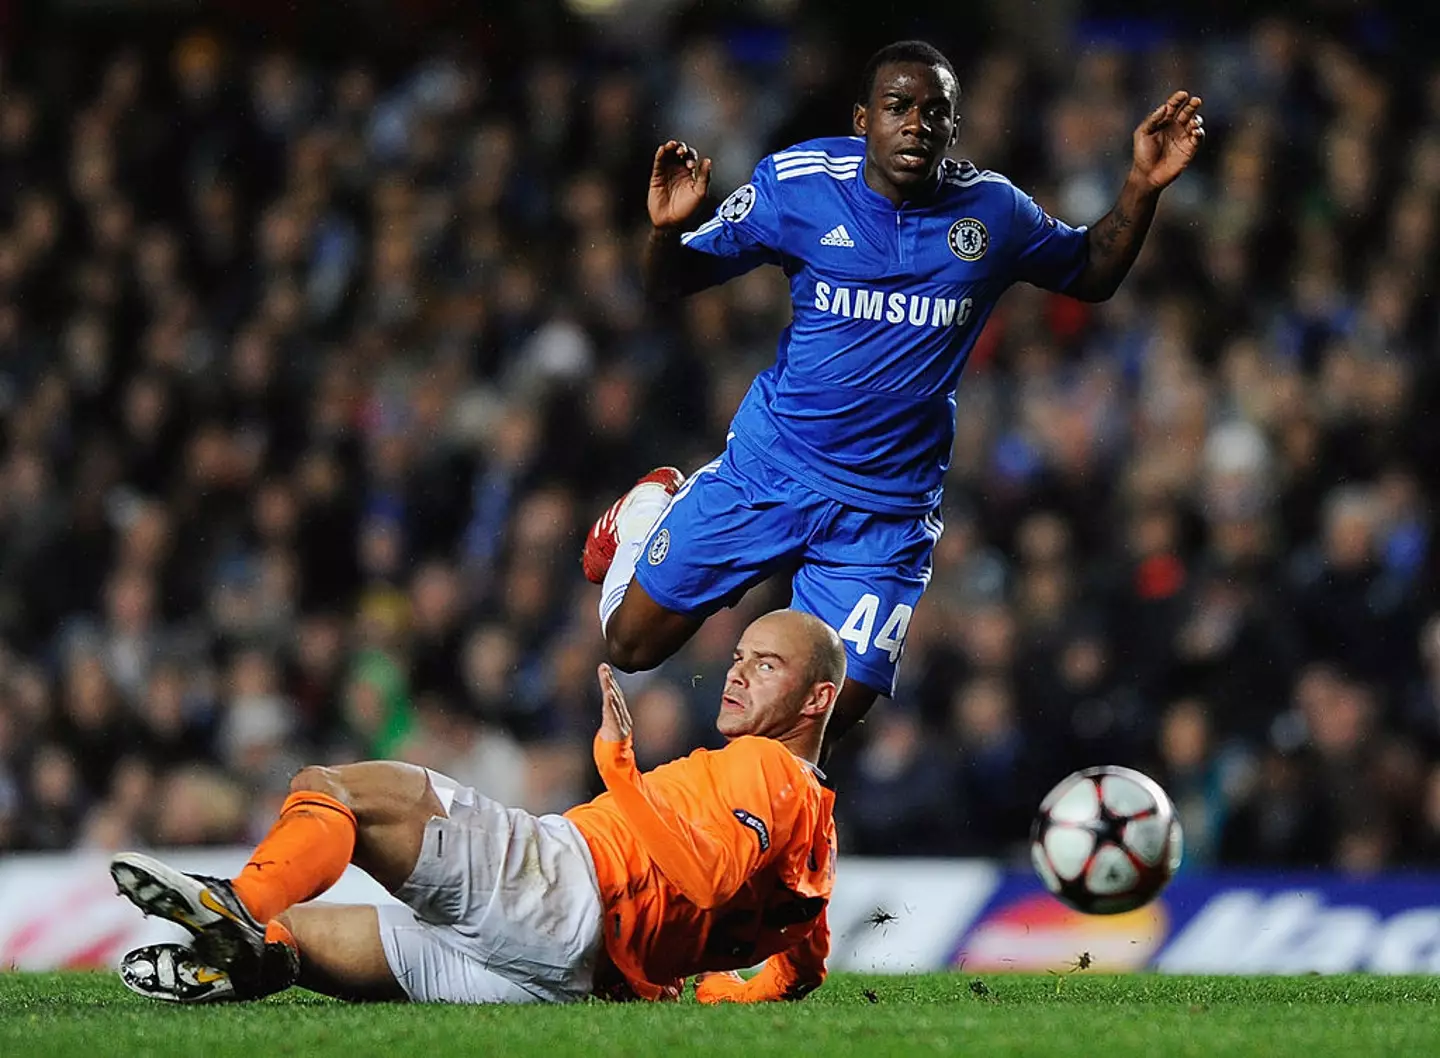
(275,930)
(304,854)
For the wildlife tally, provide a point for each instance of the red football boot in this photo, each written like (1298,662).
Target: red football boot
(604,534)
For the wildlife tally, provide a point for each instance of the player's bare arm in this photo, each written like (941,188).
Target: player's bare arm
(1164,144)
(679,190)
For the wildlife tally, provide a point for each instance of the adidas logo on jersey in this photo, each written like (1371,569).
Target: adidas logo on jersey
(837,236)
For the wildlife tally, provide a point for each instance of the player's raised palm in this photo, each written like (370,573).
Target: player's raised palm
(1168,139)
(615,724)
(679,181)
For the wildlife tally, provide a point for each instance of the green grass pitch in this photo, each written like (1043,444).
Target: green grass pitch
(1077,1015)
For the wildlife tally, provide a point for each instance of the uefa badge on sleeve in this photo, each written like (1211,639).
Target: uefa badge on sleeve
(968,239)
(659,548)
(738,206)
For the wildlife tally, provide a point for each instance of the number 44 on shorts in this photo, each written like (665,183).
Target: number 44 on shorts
(858,626)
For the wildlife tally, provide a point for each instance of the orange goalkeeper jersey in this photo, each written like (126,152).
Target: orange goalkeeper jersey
(713,862)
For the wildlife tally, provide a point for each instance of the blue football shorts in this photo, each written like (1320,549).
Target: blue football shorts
(738,520)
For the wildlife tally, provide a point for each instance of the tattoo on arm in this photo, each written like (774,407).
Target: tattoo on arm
(1108,232)
(1114,243)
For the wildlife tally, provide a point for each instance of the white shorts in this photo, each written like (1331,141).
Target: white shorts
(503,907)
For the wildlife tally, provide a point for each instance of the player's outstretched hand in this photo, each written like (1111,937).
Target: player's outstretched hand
(1168,139)
(679,181)
(725,987)
(614,715)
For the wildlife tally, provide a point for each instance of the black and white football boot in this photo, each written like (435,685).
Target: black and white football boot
(176,973)
(227,936)
(172,973)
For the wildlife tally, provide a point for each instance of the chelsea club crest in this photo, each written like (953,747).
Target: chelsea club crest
(968,239)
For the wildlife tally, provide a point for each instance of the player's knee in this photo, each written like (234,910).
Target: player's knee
(629,649)
(377,792)
(314,778)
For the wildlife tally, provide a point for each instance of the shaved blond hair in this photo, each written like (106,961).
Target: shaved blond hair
(825,659)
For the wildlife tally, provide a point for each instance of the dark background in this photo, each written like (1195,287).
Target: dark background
(321,345)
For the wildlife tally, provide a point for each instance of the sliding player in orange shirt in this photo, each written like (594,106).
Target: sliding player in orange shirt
(700,867)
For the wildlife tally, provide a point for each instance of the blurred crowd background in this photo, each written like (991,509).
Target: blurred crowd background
(319,352)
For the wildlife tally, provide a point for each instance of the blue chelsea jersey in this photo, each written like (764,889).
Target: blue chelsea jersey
(860,402)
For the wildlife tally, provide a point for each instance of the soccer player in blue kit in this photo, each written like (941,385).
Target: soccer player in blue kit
(896,255)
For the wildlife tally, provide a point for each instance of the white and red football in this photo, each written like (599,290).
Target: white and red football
(1106,840)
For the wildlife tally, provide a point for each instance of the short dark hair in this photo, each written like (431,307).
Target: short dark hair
(901,51)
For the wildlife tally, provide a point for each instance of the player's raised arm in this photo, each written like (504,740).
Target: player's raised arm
(707,870)
(1164,144)
(693,246)
(679,187)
